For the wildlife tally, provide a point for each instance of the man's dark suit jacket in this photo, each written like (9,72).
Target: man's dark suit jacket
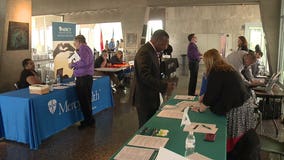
(147,81)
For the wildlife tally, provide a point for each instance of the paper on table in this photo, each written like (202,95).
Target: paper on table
(184,97)
(148,141)
(197,156)
(165,154)
(170,114)
(60,87)
(183,104)
(74,58)
(134,153)
(97,76)
(200,128)
(169,107)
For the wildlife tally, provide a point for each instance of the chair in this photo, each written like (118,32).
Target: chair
(271,146)
(247,148)
(258,114)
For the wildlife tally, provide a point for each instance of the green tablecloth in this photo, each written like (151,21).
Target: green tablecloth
(214,150)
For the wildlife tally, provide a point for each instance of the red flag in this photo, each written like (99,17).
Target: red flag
(101,41)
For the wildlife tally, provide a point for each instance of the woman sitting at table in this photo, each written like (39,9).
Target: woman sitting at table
(117,58)
(101,62)
(28,75)
(227,95)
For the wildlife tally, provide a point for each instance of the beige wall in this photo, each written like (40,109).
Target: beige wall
(131,18)
(208,20)
(2,21)
(10,61)
(131,14)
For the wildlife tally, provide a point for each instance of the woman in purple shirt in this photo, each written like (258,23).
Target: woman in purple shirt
(84,71)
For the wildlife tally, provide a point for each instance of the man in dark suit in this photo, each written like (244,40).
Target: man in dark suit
(148,83)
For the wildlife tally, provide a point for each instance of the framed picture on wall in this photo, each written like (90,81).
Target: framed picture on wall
(18,36)
(131,40)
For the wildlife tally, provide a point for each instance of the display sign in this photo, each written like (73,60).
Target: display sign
(63,37)
(63,31)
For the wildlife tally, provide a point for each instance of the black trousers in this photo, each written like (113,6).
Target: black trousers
(84,92)
(146,109)
(144,114)
(193,68)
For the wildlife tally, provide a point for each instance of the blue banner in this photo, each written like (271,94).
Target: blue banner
(30,118)
(63,31)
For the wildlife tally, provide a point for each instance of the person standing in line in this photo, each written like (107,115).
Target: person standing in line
(242,43)
(255,67)
(193,58)
(148,83)
(84,71)
(121,45)
(111,45)
(117,45)
(106,45)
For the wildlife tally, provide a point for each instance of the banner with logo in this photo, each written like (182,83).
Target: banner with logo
(36,118)
(63,36)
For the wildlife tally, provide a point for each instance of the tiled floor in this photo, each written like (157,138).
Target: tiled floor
(113,127)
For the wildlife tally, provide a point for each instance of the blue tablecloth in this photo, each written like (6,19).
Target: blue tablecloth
(30,118)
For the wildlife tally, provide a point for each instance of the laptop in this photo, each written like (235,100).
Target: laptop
(269,85)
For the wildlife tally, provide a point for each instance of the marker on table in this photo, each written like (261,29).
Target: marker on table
(195,127)
(144,131)
(206,126)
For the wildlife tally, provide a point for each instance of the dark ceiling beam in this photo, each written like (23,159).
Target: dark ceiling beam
(178,3)
(44,7)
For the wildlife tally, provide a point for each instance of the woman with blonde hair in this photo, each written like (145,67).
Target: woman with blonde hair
(227,95)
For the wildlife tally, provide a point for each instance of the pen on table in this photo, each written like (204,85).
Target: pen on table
(195,127)
(144,130)
(206,127)
(155,131)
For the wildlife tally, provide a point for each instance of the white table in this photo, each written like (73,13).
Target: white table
(110,69)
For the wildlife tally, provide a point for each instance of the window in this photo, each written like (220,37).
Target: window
(92,33)
(152,26)
(41,31)
(42,43)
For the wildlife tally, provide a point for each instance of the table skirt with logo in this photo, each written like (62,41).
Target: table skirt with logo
(29,118)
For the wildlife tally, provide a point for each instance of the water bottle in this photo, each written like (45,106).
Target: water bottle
(189,144)
(58,79)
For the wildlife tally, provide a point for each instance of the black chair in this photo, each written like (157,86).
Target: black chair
(247,148)
(271,146)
